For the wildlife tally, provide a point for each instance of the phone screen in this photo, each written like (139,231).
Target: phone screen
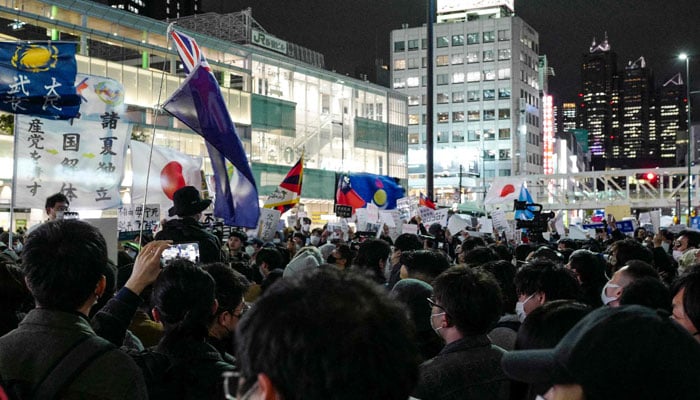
(187,251)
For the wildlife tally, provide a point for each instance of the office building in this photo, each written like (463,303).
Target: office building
(486,96)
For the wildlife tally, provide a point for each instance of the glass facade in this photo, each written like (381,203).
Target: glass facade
(281,106)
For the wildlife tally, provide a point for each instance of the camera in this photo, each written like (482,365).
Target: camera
(538,223)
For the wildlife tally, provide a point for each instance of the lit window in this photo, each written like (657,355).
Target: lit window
(458,77)
(399,64)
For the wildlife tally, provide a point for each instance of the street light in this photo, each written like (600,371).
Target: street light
(686,57)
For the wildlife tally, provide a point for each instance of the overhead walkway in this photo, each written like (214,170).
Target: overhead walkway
(636,188)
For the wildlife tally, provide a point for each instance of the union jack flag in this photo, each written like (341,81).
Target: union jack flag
(189,52)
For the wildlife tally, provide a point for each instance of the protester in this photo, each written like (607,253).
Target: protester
(324,335)
(589,269)
(424,265)
(503,334)
(189,206)
(543,329)
(648,292)
(371,259)
(54,349)
(55,207)
(236,247)
(629,352)
(542,280)
(404,242)
(686,301)
(465,305)
(635,269)
(412,294)
(15,297)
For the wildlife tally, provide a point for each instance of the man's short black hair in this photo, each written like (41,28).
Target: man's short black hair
(692,235)
(504,272)
(589,266)
(370,253)
(471,299)
(407,242)
(471,242)
(543,275)
(271,256)
(428,263)
(230,286)
(649,292)
(479,255)
(568,243)
(56,198)
(307,332)
(630,249)
(637,269)
(63,262)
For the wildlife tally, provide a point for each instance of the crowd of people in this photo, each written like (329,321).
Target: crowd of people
(308,315)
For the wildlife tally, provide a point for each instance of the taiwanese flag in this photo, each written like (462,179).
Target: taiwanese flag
(288,193)
(426,202)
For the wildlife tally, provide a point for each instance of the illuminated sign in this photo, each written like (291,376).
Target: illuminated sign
(268,41)
(548,133)
(451,6)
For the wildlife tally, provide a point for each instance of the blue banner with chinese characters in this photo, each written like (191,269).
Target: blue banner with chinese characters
(82,158)
(37,78)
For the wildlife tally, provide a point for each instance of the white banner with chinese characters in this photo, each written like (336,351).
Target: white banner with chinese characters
(130,217)
(82,158)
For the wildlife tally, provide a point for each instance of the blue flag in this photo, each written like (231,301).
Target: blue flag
(38,79)
(358,189)
(198,104)
(527,197)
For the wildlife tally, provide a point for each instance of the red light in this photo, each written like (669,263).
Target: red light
(580,95)
(650,176)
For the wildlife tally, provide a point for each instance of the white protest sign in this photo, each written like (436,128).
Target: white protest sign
(403,205)
(559,224)
(655,218)
(457,223)
(267,224)
(409,228)
(429,216)
(129,217)
(372,213)
(644,218)
(387,218)
(499,220)
(577,232)
(361,218)
(486,225)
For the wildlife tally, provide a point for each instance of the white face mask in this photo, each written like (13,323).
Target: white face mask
(432,316)
(604,294)
(275,240)
(305,227)
(665,246)
(520,308)
(249,250)
(315,240)
(677,254)
(59,215)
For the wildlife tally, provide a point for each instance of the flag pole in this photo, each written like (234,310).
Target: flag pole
(156,112)
(14,182)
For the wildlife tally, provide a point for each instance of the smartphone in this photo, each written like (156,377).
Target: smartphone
(187,251)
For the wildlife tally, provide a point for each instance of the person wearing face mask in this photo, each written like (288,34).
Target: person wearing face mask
(465,305)
(663,261)
(55,206)
(635,269)
(315,238)
(230,287)
(542,280)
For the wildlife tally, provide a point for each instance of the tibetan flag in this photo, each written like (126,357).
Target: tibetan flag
(38,79)
(359,189)
(504,190)
(198,103)
(288,193)
(426,202)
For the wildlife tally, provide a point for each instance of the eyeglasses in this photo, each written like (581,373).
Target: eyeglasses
(244,309)
(434,304)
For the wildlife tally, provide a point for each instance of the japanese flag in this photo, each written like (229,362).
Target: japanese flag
(504,190)
(170,170)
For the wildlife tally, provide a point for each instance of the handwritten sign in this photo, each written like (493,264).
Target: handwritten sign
(267,224)
(429,216)
(129,217)
(500,223)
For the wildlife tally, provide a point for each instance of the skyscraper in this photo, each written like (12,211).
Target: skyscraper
(671,118)
(639,146)
(487,95)
(599,101)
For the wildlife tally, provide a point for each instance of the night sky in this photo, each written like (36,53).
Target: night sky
(351,34)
